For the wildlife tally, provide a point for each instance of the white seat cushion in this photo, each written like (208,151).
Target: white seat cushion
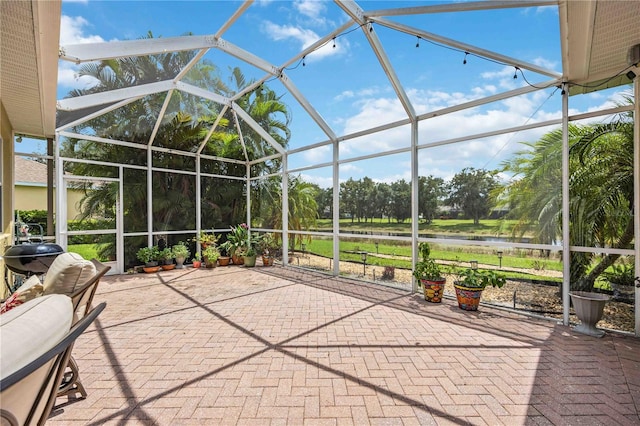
(67,272)
(31,329)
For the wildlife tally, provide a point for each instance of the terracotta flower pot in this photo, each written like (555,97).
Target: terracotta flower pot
(267,260)
(151,269)
(168,267)
(197,263)
(224,260)
(237,260)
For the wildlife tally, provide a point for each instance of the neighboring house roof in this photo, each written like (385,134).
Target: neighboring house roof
(30,172)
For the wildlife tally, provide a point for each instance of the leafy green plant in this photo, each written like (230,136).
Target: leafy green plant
(180,250)
(211,254)
(267,244)
(206,239)
(165,254)
(622,273)
(480,278)
(148,254)
(427,268)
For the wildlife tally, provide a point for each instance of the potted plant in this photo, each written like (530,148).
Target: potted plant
(149,256)
(427,271)
(236,244)
(180,252)
(250,255)
(197,260)
(211,254)
(206,240)
(471,282)
(165,259)
(268,247)
(224,259)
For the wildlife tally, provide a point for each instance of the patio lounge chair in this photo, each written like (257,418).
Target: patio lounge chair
(69,274)
(37,338)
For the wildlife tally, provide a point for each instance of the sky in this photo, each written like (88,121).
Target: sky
(346,83)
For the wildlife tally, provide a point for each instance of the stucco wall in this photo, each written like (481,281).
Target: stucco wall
(35,198)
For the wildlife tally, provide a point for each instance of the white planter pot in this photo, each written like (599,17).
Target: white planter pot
(589,308)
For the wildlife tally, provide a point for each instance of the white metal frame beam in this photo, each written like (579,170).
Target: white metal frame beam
(464,47)
(357,14)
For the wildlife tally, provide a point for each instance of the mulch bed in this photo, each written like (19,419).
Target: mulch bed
(537,298)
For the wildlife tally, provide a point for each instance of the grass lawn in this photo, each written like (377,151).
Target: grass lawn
(87,251)
(399,255)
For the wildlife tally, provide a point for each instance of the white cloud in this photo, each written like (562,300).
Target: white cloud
(546,63)
(305,38)
(312,9)
(321,181)
(72,31)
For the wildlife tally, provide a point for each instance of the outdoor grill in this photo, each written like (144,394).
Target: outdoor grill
(31,259)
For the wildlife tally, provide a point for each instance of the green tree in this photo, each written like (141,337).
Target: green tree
(400,202)
(470,191)
(349,198)
(303,209)
(383,200)
(324,200)
(368,190)
(430,192)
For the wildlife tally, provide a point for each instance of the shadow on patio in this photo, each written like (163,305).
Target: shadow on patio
(281,345)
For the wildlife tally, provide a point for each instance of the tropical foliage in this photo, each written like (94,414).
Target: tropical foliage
(600,191)
(186,126)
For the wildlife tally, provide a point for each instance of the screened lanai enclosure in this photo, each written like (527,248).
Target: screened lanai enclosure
(355,130)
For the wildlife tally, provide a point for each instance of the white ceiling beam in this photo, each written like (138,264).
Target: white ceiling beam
(483,101)
(87,52)
(315,115)
(203,93)
(460,7)
(357,14)
(163,110)
(247,57)
(507,60)
(240,135)
(116,95)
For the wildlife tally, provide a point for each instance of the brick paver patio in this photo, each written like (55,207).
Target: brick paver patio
(262,346)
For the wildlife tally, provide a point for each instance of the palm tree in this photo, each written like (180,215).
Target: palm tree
(303,208)
(600,190)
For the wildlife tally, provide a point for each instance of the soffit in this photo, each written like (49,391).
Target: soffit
(596,37)
(29,39)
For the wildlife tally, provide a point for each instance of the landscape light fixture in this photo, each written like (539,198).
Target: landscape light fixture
(500,258)
(364,263)
(474,264)
(377,252)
